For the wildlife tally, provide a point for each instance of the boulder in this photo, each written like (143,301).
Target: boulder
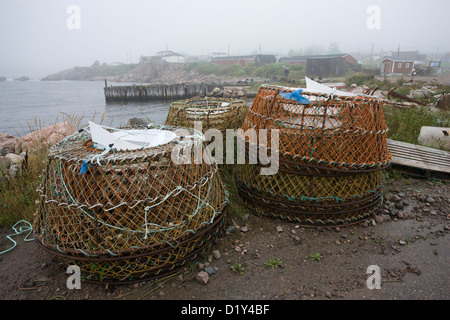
(7,144)
(4,162)
(14,158)
(134,122)
(435,137)
(47,136)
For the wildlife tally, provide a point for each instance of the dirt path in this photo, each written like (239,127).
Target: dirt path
(409,241)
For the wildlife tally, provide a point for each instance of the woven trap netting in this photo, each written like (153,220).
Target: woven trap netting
(331,153)
(310,199)
(214,113)
(129,214)
(339,131)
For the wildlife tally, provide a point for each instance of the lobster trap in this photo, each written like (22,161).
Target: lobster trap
(332,150)
(214,113)
(124,215)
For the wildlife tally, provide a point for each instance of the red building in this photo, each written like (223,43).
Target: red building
(396,66)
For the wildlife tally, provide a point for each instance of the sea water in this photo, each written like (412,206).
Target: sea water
(34,104)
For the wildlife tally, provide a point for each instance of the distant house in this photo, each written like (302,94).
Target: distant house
(396,66)
(164,56)
(325,65)
(258,59)
(415,56)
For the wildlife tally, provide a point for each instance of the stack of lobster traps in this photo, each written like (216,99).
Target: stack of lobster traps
(125,215)
(214,113)
(331,152)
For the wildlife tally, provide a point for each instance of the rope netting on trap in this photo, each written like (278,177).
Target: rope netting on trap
(331,152)
(335,131)
(214,113)
(122,214)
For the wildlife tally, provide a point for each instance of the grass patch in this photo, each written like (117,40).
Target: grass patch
(405,124)
(275,263)
(359,78)
(315,257)
(272,70)
(238,269)
(18,195)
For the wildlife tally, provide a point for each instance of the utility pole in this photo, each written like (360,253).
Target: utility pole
(371,55)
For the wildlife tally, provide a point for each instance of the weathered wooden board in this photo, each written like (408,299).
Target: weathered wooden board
(413,155)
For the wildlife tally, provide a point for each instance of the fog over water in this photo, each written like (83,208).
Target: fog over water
(46,36)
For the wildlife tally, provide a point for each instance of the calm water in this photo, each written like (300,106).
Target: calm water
(23,104)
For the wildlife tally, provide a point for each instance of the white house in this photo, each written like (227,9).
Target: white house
(170,56)
(164,56)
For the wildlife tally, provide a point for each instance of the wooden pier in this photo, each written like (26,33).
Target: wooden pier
(154,92)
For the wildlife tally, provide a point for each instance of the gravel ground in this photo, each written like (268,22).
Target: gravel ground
(408,240)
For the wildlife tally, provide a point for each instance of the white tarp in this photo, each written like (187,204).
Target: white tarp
(315,87)
(129,139)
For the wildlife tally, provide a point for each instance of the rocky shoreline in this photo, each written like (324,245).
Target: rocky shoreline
(13,151)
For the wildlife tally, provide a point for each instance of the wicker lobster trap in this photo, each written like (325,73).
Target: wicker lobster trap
(124,215)
(332,150)
(214,113)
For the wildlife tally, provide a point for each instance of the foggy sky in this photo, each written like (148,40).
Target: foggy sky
(35,40)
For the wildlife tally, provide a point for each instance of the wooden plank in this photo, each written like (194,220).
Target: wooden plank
(427,158)
(413,155)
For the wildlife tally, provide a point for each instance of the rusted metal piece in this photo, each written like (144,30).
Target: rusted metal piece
(397,95)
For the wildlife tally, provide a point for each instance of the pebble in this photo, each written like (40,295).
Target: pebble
(244,229)
(216,254)
(345,236)
(378,219)
(202,277)
(430,199)
(237,249)
(400,215)
(231,229)
(398,206)
(210,270)
(279,229)
(402,242)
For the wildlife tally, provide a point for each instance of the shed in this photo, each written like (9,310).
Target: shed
(325,65)
(396,66)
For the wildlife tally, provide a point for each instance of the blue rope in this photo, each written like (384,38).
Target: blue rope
(21,230)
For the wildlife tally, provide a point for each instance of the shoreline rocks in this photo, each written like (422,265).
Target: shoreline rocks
(14,150)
